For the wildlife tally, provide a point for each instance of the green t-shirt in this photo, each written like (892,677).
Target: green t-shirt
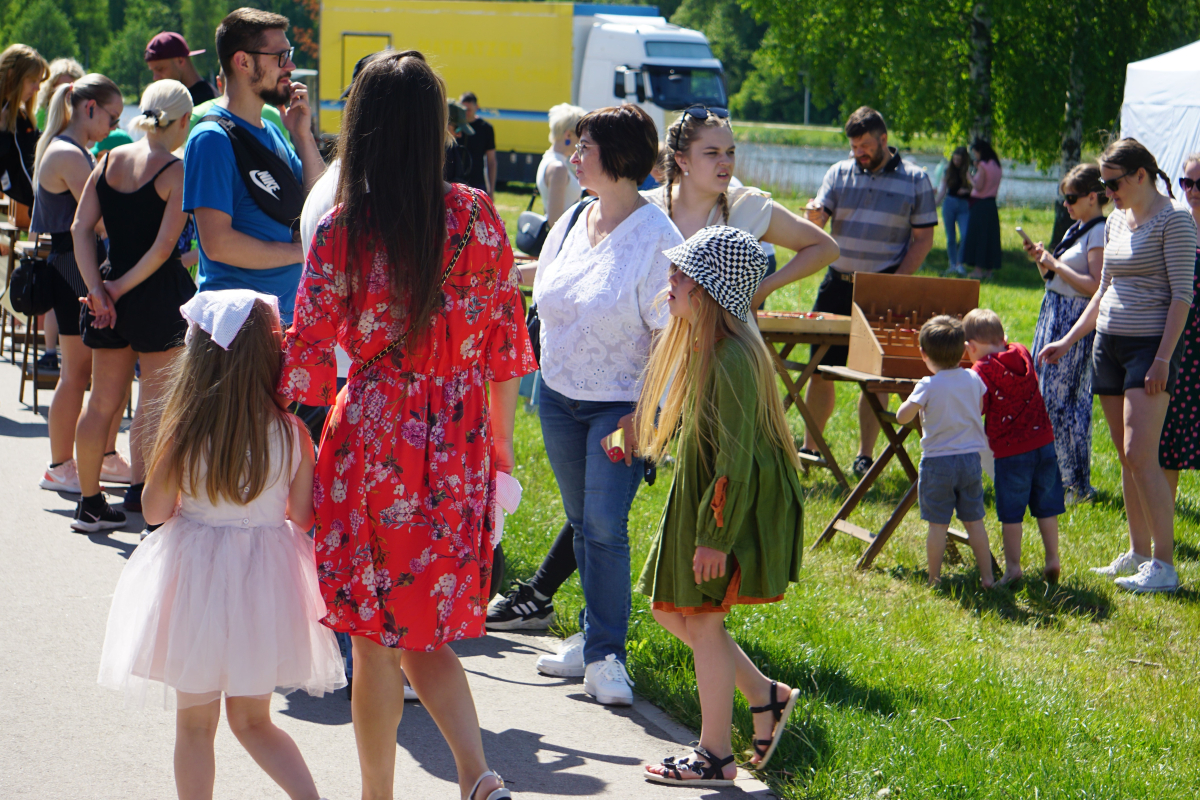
(116,138)
(269,114)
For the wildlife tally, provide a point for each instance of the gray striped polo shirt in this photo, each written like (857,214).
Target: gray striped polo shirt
(872,214)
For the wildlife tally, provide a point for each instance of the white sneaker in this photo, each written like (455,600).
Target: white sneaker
(63,478)
(608,682)
(567,662)
(116,469)
(1152,576)
(1125,564)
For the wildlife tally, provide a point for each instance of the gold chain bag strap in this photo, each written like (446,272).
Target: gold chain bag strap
(462,245)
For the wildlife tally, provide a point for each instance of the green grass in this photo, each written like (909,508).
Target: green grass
(828,136)
(1071,692)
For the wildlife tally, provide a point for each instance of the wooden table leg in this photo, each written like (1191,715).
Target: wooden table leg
(793,395)
(889,527)
(856,496)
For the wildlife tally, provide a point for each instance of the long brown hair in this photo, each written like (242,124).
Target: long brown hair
(1131,155)
(18,63)
(219,410)
(680,135)
(680,366)
(391,190)
(964,166)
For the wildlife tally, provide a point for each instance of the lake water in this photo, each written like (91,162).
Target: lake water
(800,170)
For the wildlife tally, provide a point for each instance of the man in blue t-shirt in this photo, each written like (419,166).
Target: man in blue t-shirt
(241,247)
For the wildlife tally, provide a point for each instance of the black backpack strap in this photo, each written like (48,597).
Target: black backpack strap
(268,178)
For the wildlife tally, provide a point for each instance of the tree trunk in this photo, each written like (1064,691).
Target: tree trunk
(1072,136)
(980,70)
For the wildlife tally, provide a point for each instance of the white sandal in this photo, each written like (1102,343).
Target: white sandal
(497,794)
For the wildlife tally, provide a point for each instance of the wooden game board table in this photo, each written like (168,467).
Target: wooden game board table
(896,433)
(782,331)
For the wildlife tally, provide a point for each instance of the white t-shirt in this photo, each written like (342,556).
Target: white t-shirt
(951,404)
(316,205)
(597,304)
(1076,257)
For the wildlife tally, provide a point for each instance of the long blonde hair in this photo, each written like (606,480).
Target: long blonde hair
(163,102)
(680,366)
(219,410)
(18,63)
(92,86)
(58,68)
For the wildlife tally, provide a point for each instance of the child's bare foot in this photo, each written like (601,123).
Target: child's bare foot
(1010,576)
(1051,572)
(934,583)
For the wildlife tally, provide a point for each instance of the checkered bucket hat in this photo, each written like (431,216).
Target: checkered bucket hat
(728,262)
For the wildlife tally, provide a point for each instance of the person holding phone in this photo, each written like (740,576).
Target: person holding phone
(596,286)
(1139,312)
(1072,274)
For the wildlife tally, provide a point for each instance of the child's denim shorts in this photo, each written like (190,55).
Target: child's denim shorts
(1029,479)
(950,484)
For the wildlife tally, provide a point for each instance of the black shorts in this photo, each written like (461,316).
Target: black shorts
(67,307)
(1120,363)
(148,318)
(835,295)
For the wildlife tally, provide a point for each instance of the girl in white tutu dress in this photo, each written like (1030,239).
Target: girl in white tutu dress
(223,597)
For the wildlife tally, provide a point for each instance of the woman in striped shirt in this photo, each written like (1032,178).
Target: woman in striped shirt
(1139,312)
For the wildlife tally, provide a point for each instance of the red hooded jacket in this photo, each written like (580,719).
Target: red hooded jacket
(1017,421)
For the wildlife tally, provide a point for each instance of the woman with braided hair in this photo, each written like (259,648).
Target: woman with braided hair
(132,311)
(698,164)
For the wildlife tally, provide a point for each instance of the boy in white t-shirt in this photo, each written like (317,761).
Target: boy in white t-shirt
(951,406)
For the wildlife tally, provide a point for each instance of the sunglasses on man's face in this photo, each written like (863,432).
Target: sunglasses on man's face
(1187,184)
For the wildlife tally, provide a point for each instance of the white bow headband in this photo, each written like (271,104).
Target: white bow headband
(221,314)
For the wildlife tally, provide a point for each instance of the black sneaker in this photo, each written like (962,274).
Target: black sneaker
(48,362)
(861,465)
(520,610)
(91,520)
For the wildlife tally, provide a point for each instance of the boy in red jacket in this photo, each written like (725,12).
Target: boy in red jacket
(1022,439)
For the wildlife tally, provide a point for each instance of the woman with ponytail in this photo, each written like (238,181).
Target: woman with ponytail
(132,313)
(80,114)
(22,71)
(1138,313)
(698,163)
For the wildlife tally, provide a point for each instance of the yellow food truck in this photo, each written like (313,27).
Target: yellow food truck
(521,58)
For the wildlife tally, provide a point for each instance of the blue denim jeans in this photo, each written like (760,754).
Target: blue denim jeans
(955,210)
(596,495)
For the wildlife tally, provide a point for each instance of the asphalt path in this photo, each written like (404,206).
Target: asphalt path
(62,736)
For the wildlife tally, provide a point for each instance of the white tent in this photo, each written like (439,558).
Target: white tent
(1162,106)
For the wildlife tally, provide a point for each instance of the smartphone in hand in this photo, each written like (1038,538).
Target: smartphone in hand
(1025,236)
(614,445)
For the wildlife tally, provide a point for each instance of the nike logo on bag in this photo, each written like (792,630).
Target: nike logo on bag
(265,181)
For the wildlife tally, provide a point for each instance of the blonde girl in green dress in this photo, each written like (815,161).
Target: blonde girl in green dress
(732,530)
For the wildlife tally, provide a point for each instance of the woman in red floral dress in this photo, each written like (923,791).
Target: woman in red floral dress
(405,477)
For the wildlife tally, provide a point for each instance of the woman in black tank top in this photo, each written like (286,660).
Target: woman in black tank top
(132,311)
(80,114)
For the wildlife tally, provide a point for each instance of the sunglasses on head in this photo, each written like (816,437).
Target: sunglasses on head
(1187,184)
(699,113)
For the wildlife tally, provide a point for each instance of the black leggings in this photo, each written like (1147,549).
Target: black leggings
(558,565)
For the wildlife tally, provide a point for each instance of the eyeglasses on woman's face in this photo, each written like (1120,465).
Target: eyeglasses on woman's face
(113,118)
(1188,184)
(1073,198)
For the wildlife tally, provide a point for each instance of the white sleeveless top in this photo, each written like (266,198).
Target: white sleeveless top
(573,187)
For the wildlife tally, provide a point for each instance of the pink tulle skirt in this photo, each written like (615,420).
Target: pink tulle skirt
(206,611)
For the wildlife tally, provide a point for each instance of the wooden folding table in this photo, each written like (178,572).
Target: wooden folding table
(786,329)
(896,433)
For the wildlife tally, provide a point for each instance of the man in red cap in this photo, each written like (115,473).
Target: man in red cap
(168,56)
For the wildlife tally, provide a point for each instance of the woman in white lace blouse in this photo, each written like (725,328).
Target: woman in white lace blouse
(596,284)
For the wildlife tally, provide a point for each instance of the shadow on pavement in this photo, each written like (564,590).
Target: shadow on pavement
(23,430)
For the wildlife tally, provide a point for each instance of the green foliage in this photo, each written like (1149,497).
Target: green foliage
(43,26)
(123,58)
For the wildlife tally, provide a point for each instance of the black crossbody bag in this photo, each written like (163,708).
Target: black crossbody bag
(268,178)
